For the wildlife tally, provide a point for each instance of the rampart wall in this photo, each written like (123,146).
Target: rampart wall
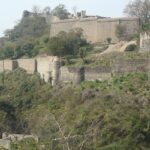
(50,70)
(8,139)
(8,65)
(121,66)
(29,65)
(97,73)
(18,137)
(47,67)
(5,144)
(144,42)
(94,29)
(71,74)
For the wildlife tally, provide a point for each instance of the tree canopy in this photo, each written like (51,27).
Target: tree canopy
(67,43)
(60,11)
(141,9)
(34,26)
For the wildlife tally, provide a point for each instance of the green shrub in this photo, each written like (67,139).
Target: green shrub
(132,47)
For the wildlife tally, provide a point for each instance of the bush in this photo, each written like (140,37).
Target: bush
(132,47)
(67,43)
(109,40)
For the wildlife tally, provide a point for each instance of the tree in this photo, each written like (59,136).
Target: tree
(141,9)
(7,33)
(28,27)
(67,43)
(36,10)
(56,46)
(47,10)
(109,39)
(121,32)
(60,11)
(74,9)
(82,53)
(7,51)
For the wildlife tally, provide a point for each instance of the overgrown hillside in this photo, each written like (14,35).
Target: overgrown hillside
(31,36)
(108,115)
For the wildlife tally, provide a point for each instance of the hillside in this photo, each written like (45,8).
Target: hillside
(94,95)
(95,115)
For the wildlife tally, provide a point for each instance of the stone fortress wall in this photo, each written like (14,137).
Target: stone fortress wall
(95,29)
(47,67)
(145,41)
(8,139)
(50,70)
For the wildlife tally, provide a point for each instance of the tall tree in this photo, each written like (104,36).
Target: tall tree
(47,10)
(36,10)
(60,11)
(139,8)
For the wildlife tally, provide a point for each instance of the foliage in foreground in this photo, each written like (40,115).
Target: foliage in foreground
(93,116)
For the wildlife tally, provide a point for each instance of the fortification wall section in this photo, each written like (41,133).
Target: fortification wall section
(71,74)
(144,42)
(48,67)
(131,65)
(18,137)
(94,29)
(132,26)
(89,29)
(29,65)
(1,66)
(50,70)
(8,65)
(5,144)
(56,27)
(97,73)
(107,29)
(120,67)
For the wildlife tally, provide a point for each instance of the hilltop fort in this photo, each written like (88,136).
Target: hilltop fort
(95,29)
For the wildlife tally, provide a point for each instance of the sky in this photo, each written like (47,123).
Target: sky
(11,10)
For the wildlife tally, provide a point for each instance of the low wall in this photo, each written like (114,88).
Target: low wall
(1,66)
(131,65)
(5,144)
(17,137)
(76,75)
(71,74)
(98,73)
(121,66)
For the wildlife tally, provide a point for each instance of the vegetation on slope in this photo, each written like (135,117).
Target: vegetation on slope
(96,115)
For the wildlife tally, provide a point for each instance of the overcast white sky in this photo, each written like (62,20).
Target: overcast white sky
(11,10)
